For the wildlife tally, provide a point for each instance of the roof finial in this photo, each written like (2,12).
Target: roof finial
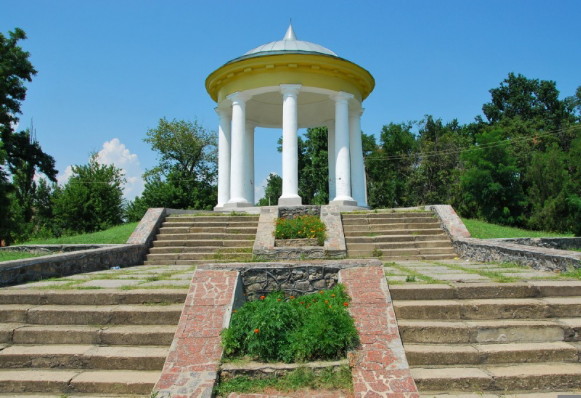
(290,33)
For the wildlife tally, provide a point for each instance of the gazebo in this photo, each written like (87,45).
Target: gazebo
(291,84)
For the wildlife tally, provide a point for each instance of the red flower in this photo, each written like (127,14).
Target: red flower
(262,297)
(346,304)
(256,331)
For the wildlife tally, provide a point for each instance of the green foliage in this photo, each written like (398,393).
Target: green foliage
(300,227)
(91,200)
(309,327)
(483,230)
(114,235)
(314,173)
(272,191)
(299,379)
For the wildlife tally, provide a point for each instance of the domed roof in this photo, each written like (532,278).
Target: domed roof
(290,44)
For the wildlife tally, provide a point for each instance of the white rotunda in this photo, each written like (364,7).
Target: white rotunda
(291,84)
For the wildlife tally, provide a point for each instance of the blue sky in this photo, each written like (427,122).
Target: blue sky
(109,70)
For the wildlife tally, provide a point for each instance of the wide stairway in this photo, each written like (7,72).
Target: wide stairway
(396,236)
(492,338)
(193,239)
(86,343)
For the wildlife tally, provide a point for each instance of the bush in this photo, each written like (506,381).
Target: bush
(300,227)
(274,328)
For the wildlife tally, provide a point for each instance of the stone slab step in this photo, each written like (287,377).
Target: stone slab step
(436,244)
(390,221)
(185,262)
(77,356)
(390,227)
(523,377)
(398,232)
(90,314)
(212,226)
(423,257)
(205,236)
(476,354)
(507,394)
(486,290)
(489,331)
(396,238)
(514,308)
(72,381)
(182,243)
(203,229)
(199,249)
(88,334)
(380,214)
(210,219)
(199,256)
(402,252)
(97,297)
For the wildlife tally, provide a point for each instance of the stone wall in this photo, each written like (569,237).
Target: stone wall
(297,211)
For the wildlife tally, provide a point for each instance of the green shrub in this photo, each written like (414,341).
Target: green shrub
(276,328)
(300,227)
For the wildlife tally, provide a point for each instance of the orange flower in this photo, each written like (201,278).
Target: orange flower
(321,292)
(256,331)
(332,295)
(278,299)
(292,297)
(326,301)
(346,304)
(262,297)
(234,311)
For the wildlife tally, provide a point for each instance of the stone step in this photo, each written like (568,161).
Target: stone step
(18,333)
(96,297)
(373,238)
(489,331)
(90,314)
(477,354)
(212,219)
(199,249)
(205,236)
(521,377)
(388,215)
(78,356)
(513,308)
(403,252)
(74,381)
(486,290)
(204,229)
(421,257)
(381,226)
(199,256)
(401,245)
(204,242)
(185,262)
(397,232)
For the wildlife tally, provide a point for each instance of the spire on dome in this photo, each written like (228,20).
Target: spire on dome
(290,33)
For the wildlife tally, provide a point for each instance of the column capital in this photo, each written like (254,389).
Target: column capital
(356,110)
(341,96)
(290,89)
(223,111)
(238,97)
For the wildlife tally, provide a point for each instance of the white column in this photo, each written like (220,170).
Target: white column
(331,156)
(223,155)
(358,187)
(290,149)
(249,184)
(342,163)
(239,163)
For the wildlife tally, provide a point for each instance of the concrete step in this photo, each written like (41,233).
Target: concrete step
(478,354)
(198,256)
(389,227)
(90,314)
(211,219)
(489,331)
(397,215)
(205,236)
(497,394)
(373,238)
(387,246)
(524,377)
(389,221)
(185,262)
(203,229)
(204,243)
(80,356)
(513,308)
(199,249)
(383,253)
(73,381)
(397,232)
(96,297)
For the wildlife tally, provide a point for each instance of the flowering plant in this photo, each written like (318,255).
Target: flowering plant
(300,227)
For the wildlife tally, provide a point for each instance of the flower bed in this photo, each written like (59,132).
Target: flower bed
(301,227)
(292,329)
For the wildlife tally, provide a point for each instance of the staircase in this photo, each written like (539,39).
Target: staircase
(85,343)
(492,338)
(193,239)
(396,236)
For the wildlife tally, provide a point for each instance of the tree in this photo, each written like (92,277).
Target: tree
(186,173)
(91,200)
(314,167)
(272,191)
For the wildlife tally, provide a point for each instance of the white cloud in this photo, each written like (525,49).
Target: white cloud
(115,153)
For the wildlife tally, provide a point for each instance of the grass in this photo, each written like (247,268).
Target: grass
(494,275)
(413,276)
(483,230)
(18,255)
(572,274)
(299,379)
(115,235)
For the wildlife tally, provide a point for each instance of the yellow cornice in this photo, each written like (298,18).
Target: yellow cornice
(313,70)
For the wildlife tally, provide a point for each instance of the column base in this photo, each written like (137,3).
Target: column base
(237,205)
(292,201)
(343,202)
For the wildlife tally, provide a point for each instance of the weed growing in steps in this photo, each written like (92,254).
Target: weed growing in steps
(494,275)
(294,329)
(299,379)
(413,274)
